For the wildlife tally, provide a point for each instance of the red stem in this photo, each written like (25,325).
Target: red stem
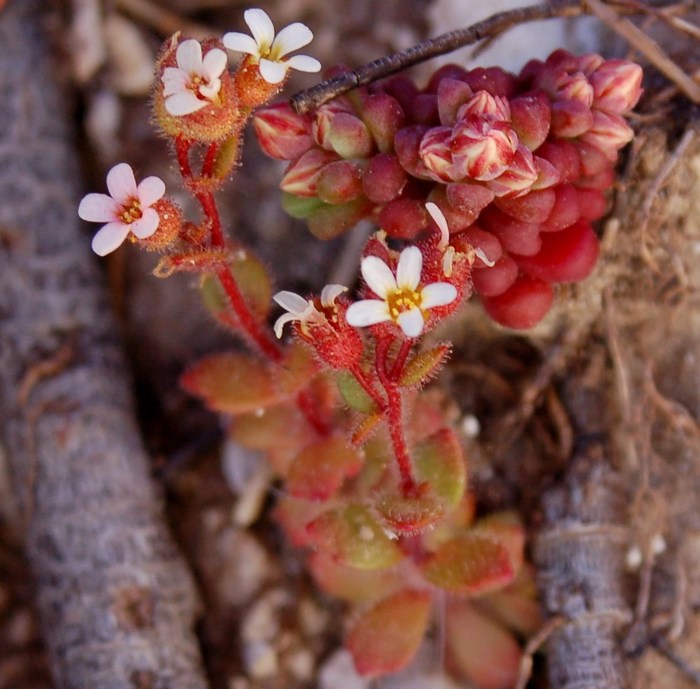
(394,418)
(400,360)
(309,409)
(210,159)
(363,379)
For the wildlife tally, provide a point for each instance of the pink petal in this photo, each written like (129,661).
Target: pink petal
(240,42)
(304,63)
(273,72)
(438,294)
(367,312)
(146,225)
(378,276)
(109,238)
(121,183)
(150,190)
(189,56)
(411,322)
(409,268)
(99,208)
(174,80)
(214,63)
(260,26)
(184,103)
(291,38)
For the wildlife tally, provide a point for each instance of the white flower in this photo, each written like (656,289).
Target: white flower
(126,209)
(195,82)
(270,49)
(400,298)
(304,310)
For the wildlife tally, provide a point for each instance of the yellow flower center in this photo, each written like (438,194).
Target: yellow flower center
(403,300)
(132,212)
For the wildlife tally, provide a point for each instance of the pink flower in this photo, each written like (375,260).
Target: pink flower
(268,49)
(195,82)
(126,209)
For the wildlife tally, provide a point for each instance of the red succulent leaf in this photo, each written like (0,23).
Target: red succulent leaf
(524,304)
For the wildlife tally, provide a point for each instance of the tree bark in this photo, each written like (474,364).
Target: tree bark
(116,599)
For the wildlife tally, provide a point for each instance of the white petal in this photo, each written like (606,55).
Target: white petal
(367,312)
(210,90)
(378,276)
(99,208)
(411,322)
(184,103)
(150,190)
(146,225)
(409,268)
(121,183)
(291,38)
(439,217)
(304,63)
(437,294)
(214,63)
(281,321)
(292,302)
(330,293)
(260,26)
(174,80)
(241,43)
(109,238)
(189,56)
(273,72)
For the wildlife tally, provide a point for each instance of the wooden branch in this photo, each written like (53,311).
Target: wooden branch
(116,599)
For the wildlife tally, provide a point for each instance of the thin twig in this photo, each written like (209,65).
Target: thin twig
(163,21)
(534,645)
(664,648)
(307,100)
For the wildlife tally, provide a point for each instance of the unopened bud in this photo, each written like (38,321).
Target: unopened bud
(616,86)
(482,149)
(484,105)
(436,155)
(609,132)
(301,177)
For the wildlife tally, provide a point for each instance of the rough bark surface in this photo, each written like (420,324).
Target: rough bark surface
(116,599)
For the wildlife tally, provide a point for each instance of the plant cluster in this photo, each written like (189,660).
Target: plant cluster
(491,181)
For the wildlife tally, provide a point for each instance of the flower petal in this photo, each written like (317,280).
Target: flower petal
(99,208)
(174,80)
(291,38)
(409,268)
(441,221)
(411,322)
(437,294)
(146,225)
(184,103)
(367,312)
(109,238)
(189,56)
(378,276)
(273,72)
(304,63)
(260,26)
(214,63)
(150,190)
(282,321)
(241,43)
(291,301)
(121,183)
(330,293)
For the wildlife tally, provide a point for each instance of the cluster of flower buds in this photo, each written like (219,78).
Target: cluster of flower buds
(517,164)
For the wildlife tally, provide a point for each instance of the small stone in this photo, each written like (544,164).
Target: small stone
(339,672)
(260,659)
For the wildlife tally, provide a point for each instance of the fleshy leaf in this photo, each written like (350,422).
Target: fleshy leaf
(480,649)
(439,461)
(410,515)
(506,529)
(297,370)
(354,538)
(226,156)
(330,221)
(353,393)
(281,427)
(470,564)
(424,366)
(386,637)
(301,207)
(318,471)
(365,428)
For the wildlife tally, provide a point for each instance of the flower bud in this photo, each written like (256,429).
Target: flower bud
(609,132)
(301,176)
(482,149)
(616,86)
(282,133)
(520,175)
(339,182)
(383,178)
(530,118)
(383,116)
(169,226)
(486,106)
(434,151)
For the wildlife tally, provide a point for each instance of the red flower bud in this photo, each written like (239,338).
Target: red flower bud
(486,106)
(482,149)
(301,176)
(519,177)
(616,86)
(281,132)
(435,152)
